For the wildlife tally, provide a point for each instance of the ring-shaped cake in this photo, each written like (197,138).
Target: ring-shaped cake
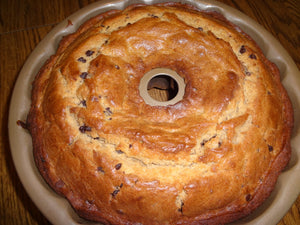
(212,157)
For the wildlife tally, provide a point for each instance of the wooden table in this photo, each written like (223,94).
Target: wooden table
(23,23)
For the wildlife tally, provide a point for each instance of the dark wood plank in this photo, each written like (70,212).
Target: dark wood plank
(15,205)
(23,23)
(280,18)
(18,15)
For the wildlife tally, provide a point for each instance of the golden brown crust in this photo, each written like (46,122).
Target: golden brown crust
(211,158)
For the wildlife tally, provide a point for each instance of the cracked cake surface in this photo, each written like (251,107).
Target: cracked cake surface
(211,158)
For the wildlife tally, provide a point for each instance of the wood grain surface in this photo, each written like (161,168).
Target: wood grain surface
(24,23)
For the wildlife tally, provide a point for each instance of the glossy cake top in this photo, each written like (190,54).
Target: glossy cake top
(214,156)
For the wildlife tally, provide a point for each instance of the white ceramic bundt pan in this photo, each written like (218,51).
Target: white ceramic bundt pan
(56,208)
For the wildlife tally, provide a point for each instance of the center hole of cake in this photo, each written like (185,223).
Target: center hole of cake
(162,88)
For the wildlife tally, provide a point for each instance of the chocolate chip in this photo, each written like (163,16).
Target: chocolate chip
(83,75)
(107,111)
(84,128)
(117,67)
(242,49)
(270,148)
(200,28)
(83,102)
(89,52)
(119,151)
(203,143)
(81,59)
(22,124)
(100,169)
(181,206)
(115,192)
(252,56)
(248,197)
(118,166)
(130,145)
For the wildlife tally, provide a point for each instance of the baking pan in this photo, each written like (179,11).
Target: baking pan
(56,208)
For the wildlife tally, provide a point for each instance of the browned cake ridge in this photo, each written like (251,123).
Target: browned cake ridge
(211,158)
